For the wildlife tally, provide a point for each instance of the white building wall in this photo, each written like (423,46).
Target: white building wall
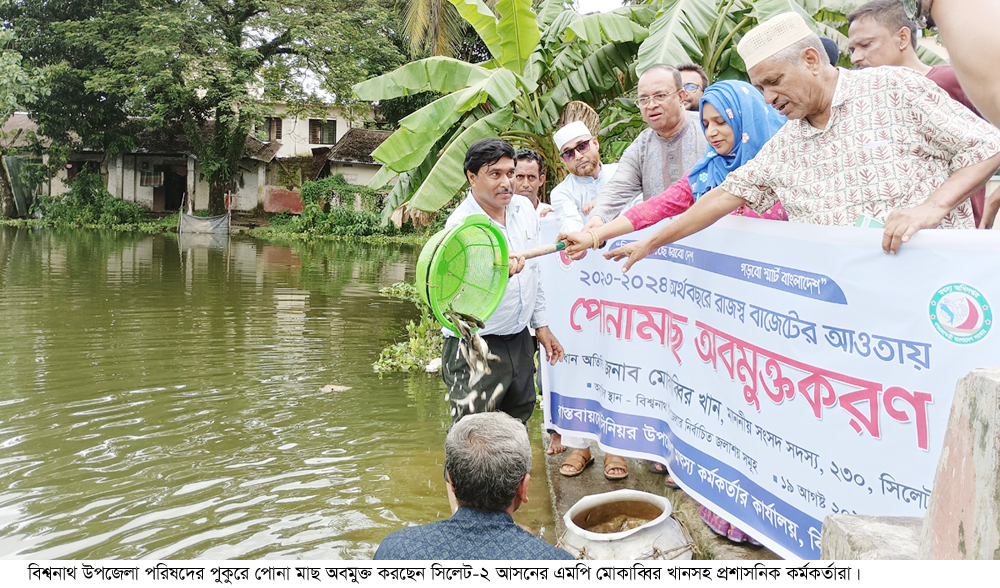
(295,131)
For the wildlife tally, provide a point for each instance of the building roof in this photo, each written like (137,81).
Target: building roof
(356,146)
(162,142)
(159,142)
(16,128)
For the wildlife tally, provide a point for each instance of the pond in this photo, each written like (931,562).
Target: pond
(163,399)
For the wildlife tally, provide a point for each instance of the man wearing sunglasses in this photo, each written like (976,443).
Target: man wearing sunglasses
(695,82)
(662,154)
(574,197)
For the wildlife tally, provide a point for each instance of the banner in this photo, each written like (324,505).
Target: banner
(783,371)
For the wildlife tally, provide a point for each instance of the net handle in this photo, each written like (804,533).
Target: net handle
(542,250)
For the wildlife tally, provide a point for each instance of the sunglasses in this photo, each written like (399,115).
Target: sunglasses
(691,87)
(582,148)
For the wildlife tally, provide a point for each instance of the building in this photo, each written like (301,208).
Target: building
(285,151)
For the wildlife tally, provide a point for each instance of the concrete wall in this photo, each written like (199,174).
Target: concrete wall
(963,515)
(357,173)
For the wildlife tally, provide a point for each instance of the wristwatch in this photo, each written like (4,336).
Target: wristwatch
(919,11)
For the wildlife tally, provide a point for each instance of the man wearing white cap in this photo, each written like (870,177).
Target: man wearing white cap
(882,143)
(662,154)
(574,197)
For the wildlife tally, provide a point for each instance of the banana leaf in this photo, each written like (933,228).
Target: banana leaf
(438,74)
(407,147)
(518,33)
(765,9)
(382,177)
(599,28)
(448,175)
(549,10)
(482,19)
(673,36)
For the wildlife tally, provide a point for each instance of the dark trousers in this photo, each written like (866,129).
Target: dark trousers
(515,372)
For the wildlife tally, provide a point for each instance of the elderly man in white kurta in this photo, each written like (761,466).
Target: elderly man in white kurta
(883,143)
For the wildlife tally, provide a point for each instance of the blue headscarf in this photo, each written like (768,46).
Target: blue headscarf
(753,122)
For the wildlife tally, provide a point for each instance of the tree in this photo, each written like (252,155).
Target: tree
(197,67)
(538,63)
(433,27)
(18,84)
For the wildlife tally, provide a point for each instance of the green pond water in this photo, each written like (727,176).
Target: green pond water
(163,399)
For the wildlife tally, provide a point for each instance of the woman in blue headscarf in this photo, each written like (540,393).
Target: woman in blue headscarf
(737,123)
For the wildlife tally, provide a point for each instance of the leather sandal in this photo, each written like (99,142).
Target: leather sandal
(612,462)
(575,464)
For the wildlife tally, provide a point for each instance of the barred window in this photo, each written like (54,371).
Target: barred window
(151,179)
(322,132)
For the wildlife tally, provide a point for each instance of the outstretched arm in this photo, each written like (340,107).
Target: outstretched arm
(708,209)
(581,241)
(902,223)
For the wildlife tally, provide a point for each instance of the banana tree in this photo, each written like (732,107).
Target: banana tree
(706,31)
(540,63)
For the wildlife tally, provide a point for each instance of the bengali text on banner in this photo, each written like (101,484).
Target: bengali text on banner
(784,372)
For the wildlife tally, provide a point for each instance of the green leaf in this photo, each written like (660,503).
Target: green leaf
(408,146)
(549,10)
(765,9)
(438,74)
(479,15)
(554,34)
(595,29)
(641,14)
(448,175)
(596,78)
(670,38)
(518,32)
(382,177)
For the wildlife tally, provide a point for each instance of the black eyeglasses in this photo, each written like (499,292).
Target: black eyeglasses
(691,87)
(582,148)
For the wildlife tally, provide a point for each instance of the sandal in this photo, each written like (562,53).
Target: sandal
(576,463)
(657,468)
(613,462)
(669,483)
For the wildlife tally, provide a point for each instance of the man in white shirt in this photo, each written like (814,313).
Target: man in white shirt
(575,196)
(489,167)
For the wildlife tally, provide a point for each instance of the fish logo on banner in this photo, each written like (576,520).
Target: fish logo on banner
(960,313)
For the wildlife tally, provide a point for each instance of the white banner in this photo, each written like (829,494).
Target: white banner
(783,371)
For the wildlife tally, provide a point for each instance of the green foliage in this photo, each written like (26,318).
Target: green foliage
(340,221)
(537,66)
(88,203)
(122,68)
(423,342)
(336,189)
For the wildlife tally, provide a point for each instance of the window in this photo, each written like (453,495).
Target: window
(270,130)
(322,132)
(151,179)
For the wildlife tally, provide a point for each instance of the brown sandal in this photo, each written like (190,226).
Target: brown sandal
(612,462)
(576,463)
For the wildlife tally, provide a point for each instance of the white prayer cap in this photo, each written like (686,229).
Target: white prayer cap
(771,36)
(569,132)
